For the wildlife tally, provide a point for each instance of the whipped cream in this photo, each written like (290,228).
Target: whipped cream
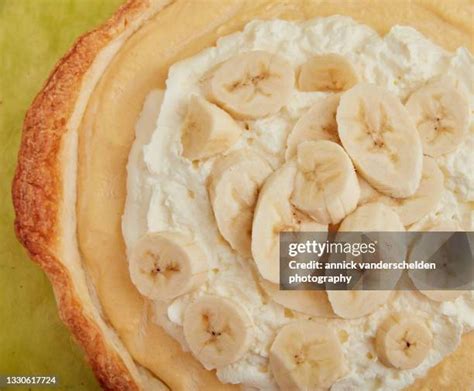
(166,192)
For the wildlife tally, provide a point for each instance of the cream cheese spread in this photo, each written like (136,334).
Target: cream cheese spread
(166,192)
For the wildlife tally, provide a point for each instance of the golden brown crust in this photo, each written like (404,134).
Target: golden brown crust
(38,189)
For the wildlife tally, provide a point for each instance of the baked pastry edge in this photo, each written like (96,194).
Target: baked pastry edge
(43,203)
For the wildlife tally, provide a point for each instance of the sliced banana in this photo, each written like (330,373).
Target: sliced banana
(314,303)
(375,217)
(441,115)
(318,123)
(327,72)
(274,214)
(207,130)
(435,225)
(441,295)
(372,217)
(218,330)
(425,199)
(326,186)
(403,341)
(252,85)
(445,226)
(165,265)
(377,133)
(234,184)
(378,217)
(417,206)
(307,356)
(367,192)
(353,304)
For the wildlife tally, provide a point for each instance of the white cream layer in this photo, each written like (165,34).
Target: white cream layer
(167,192)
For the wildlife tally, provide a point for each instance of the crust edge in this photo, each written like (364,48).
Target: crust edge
(37,187)
(37,190)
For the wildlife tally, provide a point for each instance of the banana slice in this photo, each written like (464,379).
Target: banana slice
(440,295)
(425,199)
(378,217)
(326,186)
(367,192)
(327,72)
(436,225)
(318,123)
(403,341)
(377,133)
(314,303)
(375,217)
(372,217)
(352,304)
(218,330)
(441,115)
(414,208)
(307,356)
(234,184)
(274,214)
(445,226)
(165,265)
(207,130)
(252,85)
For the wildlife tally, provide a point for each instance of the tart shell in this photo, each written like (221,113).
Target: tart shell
(44,196)
(38,193)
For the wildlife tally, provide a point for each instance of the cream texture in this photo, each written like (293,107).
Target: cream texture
(168,193)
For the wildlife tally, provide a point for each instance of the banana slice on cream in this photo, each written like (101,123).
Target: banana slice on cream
(306,355)
(381,139)
(403,341)
(207,130)
(413,208)
(218,330)
(234,184)
(252,85)
(327,72)
(165,265)
(356,304)
(326,186)
(442,295)
(426,197)
(318,123)
(314,303)
(445,226)
(371,217)
(273,214)
(367,192)
(436,224)
(441,115)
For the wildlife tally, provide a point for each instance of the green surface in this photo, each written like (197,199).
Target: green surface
(33,36)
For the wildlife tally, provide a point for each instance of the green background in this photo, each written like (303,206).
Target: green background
(34,34)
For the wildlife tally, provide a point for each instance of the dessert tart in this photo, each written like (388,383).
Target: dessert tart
(170,146)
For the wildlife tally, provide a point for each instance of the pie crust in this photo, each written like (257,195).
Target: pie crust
(69,188)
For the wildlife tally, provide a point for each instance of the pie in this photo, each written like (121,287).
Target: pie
(171,145)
